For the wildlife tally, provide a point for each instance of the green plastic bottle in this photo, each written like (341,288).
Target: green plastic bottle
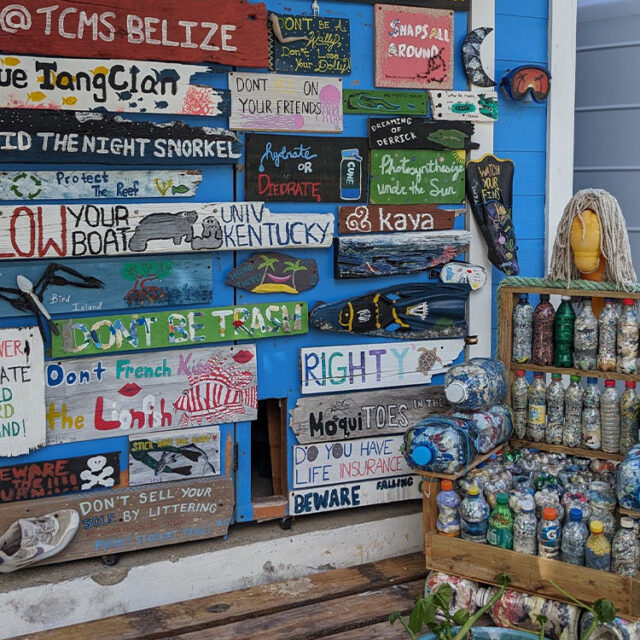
(500,533)
(563,334)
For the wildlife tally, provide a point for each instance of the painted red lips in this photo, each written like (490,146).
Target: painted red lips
(130,389)
(243,356)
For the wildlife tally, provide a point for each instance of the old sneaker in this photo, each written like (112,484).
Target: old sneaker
(31,540)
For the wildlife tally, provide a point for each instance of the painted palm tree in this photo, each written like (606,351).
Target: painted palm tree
(267,264)
(294,267)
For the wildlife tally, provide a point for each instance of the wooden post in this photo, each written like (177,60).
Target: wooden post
(430,488)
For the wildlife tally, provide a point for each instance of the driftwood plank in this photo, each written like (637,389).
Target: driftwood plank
(385,102)
(385,218)
(464,105)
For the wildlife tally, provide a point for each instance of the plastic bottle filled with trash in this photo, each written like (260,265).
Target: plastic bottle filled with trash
(563,327)
(574,537)
(476,384)
(500,530)
(525,536)
(549,534)
(607,328)
(629,414)
(597,553)
(610,417)
(625,550)
(627,337)
(591,427)
(522,329)
(474,516)
(585,338)
(573,396)
(555,410)
(448,523)
(537,422)
(628,480)
(493,426)
(542,346)
(520,404)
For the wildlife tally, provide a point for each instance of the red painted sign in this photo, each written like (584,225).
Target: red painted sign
(232,32)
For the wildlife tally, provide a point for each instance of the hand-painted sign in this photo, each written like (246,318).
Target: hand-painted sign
(85,230)
(274,273)
(375,366)
(417,177)
(464,105)
(109,85)
(84,185)
(407,132)
(174,456)
(381,102)
(183,328)
(279,102)
(22,426)
(99,138)
(148,394)
(306,169)
(306,44)
(367,413)
(354,494)
(232,32)
(410,217)
(414,47)
(373,255)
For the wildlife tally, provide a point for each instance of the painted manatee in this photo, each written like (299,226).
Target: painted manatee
(211,237)
(164,226)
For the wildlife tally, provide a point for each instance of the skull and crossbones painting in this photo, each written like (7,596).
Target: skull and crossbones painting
(97,474)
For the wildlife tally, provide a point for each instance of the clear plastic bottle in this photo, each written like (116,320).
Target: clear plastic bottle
(474,516)
(591,427)
(563,327)
(627,337)
(500,531)
(625,550)
(628,480)
(542,346)
(520,404)
(610,417)
(572,432)
(585,338)
(525,526)
(597,553)
(607,327)
(629,414)
(448,523)
(478,383)
(549,534)
(555,410)
(522,329)
(574,536)
(537,422)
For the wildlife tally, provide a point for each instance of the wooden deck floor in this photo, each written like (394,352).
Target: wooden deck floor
(343,604)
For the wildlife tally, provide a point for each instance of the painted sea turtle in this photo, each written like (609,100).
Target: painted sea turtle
(427,360)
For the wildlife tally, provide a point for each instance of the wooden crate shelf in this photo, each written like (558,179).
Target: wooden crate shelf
(629,512)
(572,451)
(566,371)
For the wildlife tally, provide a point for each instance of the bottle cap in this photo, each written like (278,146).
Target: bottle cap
(575,515)
(524,296)
(609,301)
(596,526)
(628,301)
(574,378)
(473,490)
(556,376)
(566,298)
(421,456)
(626,522)
(592,380)
(630,384)
(520,373)
(502,498)
(538,374)
(446,485)
(609,383)
(549,513)
(455,392)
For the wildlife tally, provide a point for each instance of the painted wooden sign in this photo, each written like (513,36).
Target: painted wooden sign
(464,105)
(411,217)
(383,102)
(407,132)
(183,328)
(472,274)
(84,185)
(108,85)
(232,32)
(174,456)
(279,102)
(22,426)
(374,255)
(309,44)
(86,230)
(414,47)
(354,494)
(375,366)
(417,177)
(137,518)
(99,138)
(274,273)
(367,413)
(306,169)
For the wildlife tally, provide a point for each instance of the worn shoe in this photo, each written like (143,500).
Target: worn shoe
(31,540)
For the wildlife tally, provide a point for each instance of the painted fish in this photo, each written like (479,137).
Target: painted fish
(187,457)
(36,96)
(10,61)
(102,70)
(71,100)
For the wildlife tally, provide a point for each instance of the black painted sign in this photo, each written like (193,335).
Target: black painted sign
(409,132)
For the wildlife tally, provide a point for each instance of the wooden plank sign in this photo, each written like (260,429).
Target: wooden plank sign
(411,217)
(464,105)
(374,255)
(174,456)
(109,85)
(306,169)
(279,102)
(414,47)
(187,327)
(366,413)
(27,186)
(383,102)
(148,30)
(274,273)
(407,132)
(309,44)
(148,394)
(100,138)
(86,230)
(375,366)
(417,177)
(22,426)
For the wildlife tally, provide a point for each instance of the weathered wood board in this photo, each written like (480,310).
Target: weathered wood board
(148,394)
(464,105)
(137,518)
(386,218)
(34,135)
(86,230)
(413,47)
(375,255)
(174,456)
(417,177)
(385,102)
(146,30)
(28,186)
(308,44)
(272,272)
(375,366)
(362,414)
(109,85)
(306,169)
(183,328)
(280,102)
(22,426)
(408,132)
(353,494)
